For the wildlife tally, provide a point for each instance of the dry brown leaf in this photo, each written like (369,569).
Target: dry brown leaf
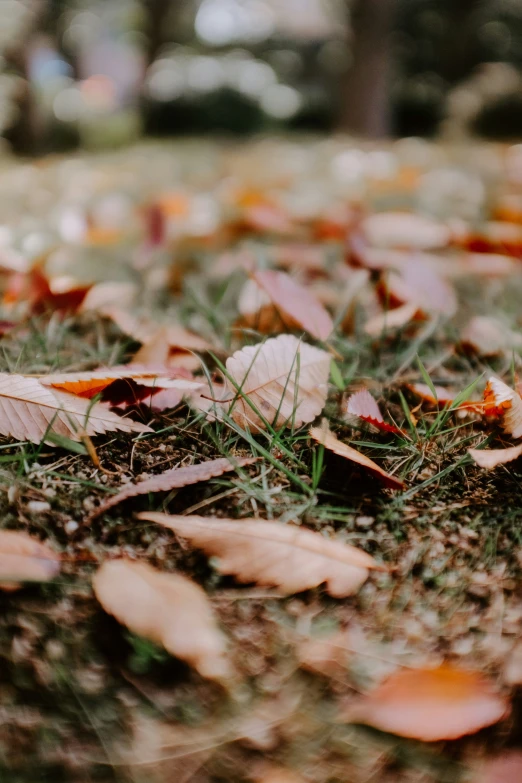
(297,306)
(490,458)
(25,559)
(175,478)
(92,382)
(331,442)
(29,411)
(168,609)
(363,406)
(500,400)
(285,379)
(431,704)
(392,319)
(404,230)
(290,558)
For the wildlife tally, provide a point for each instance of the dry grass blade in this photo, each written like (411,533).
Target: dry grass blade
(268,553)
(25,559)
(285,379)
(28,410)
(92,382)
(490,458)
(168,609)
(331,442)
(297,305)
(174,479)
(431,704)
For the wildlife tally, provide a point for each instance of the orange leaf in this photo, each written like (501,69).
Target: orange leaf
(431,704)
(332,442)
(92,382)
(501,401)
(174,479)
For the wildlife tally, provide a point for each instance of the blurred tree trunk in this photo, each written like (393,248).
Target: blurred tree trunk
(365,109)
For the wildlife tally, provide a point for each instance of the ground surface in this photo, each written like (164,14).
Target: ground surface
(81,698)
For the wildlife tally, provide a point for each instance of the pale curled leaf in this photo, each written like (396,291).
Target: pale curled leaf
(28,410)
(491,458)
(502,401)
(268,553)
(431,704)
(25,559)
(297,305)
(285,379)
(175,478)
(168,609)
(330,441)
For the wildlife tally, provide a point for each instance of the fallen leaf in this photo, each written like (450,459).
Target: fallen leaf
(503,402)
(363,406)
(265,772)
(487,336)
(107,294)
(92,382)
(404,230)
(505,768)
(175,478)
(331,442)
(490,458)
(418,283)
(29,411)
(25,559)
(422,390)
(143,330)
(431,704)
(269,553)
(327,655)
(168,609)
(285,379)
(297,306)
(392,319)
(257,311)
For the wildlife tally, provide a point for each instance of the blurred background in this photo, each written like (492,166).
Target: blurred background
(102,73)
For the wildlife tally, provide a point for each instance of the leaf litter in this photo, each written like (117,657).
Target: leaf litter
(424,574)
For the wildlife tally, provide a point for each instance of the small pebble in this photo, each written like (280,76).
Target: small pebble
(364,522)
(71,527)
(49,492)
(38,506)
(12,494)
